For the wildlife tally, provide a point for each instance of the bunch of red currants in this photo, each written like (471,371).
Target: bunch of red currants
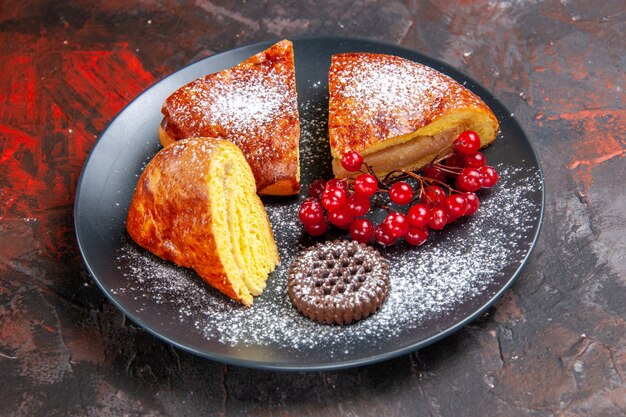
(433,203)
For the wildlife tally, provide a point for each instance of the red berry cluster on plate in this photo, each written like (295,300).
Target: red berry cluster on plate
(415,202)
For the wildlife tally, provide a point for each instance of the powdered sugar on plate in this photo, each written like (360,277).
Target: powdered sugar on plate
(468,261)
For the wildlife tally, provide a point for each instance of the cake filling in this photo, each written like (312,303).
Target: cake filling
(222,221)
(249,242)
(406,155)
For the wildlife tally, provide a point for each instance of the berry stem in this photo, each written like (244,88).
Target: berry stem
(439,160)
(447,169)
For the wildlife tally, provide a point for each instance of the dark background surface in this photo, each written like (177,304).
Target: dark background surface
(555,344)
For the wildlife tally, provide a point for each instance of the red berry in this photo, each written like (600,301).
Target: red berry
(358,205)
(383,237)
(490,176)
(317,229)
(416,235)
(401,193)
(475,160)
(341,217)
(435,173)
(337,183)
(455,161)
(366,185)
(467,143)
(362,230)
(351,161)
(438,218)
(334,198)
(434,194)
(316,189)
(418,215)
(311,211)
(396,224)
(455,205)
(472,203)
(470,179)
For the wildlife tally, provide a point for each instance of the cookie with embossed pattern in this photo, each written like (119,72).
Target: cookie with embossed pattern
(338,282)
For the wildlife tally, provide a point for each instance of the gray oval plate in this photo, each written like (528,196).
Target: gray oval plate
(435,289)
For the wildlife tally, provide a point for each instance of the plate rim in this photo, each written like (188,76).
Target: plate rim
(333,365)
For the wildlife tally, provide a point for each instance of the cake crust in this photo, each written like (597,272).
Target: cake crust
(254,105)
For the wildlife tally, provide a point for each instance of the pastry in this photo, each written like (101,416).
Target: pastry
(196,205)
(338,282)
(254,105)
(398,114)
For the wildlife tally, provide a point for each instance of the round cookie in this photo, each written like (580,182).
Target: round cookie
(338,282)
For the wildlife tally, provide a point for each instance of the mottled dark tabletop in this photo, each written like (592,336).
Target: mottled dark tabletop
(555,344)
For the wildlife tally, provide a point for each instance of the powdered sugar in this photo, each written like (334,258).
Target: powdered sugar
(240,104)
(375,97)
(390,86)
(250,104)
(467,262)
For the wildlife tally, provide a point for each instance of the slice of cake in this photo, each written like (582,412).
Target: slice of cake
(398,114)
(253,105)
(196,205)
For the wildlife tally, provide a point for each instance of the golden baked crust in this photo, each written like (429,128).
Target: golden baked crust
(381,101)
(184,210)
(254,105)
